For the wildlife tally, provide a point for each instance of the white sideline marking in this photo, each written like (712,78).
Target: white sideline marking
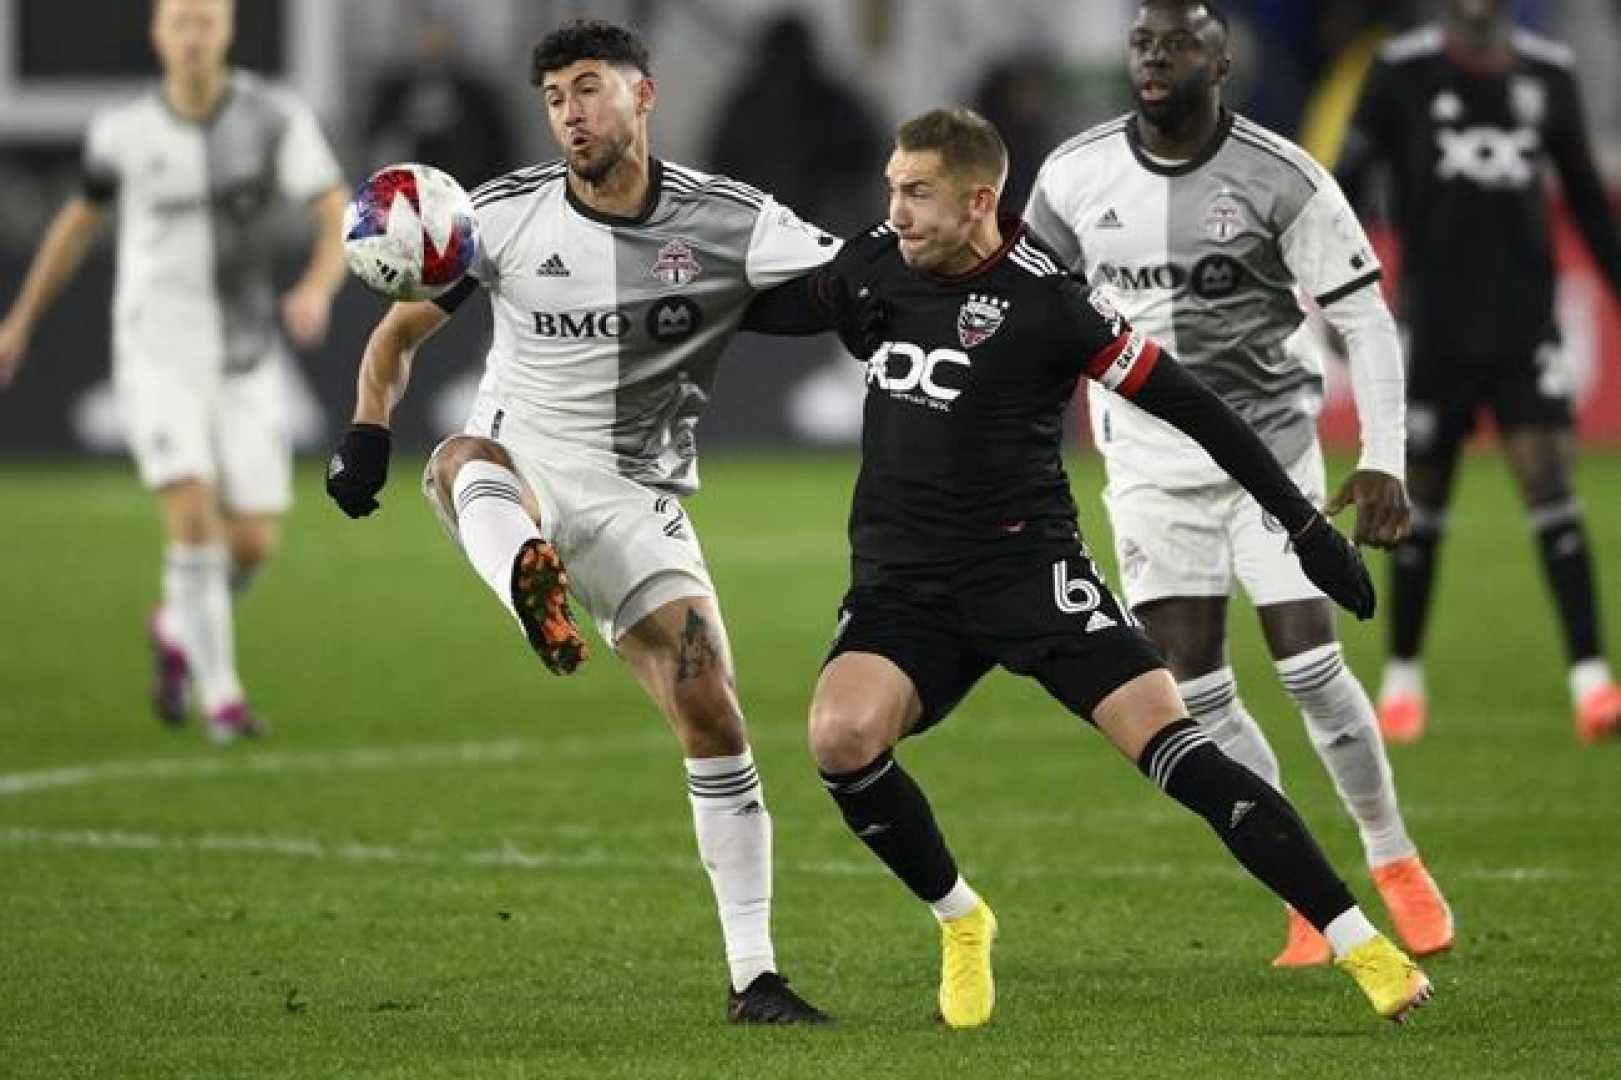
(511,856)
(364,758)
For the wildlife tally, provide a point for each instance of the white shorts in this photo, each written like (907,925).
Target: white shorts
(629,549)
(226,430)
(1196,542)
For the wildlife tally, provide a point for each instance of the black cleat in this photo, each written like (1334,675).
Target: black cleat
(769,1001)
(540,597)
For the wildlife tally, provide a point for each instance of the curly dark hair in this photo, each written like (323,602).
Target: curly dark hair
(588,39)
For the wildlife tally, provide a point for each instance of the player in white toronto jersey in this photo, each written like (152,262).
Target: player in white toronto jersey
(1201,227)
(193,169)
(615,281)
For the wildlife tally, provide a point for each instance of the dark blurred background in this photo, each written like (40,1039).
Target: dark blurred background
(796,97)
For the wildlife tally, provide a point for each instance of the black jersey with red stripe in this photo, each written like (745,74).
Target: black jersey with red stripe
(963,421)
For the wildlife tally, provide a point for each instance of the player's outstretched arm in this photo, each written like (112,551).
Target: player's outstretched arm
(60,254)
(1154,381)
(359,466)
(306,310)
(1374,353)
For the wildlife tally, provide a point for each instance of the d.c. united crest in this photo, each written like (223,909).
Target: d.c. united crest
(979,318)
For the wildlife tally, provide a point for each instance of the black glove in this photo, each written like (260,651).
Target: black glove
(358,469)
(1335,566)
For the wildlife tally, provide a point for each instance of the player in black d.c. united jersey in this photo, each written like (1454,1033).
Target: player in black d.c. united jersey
(966,554)
(1464,115)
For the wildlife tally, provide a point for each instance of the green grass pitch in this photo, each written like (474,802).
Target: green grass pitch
(448,863)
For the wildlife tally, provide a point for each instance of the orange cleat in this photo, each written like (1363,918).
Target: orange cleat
(540,597)
(1598,717)
(1305,947)
(1416,905)
(1401,717)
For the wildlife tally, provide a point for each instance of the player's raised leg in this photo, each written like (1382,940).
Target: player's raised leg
(862,707)
(493,515)
(1543,459)
(1148,723)
(681,656)
(1344,731)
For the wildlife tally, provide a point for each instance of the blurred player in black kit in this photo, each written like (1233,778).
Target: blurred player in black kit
(1464,113)
(966,554)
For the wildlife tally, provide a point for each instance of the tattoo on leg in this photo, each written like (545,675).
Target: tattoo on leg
(697,649)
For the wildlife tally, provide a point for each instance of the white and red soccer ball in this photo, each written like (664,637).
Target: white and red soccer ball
(409,232)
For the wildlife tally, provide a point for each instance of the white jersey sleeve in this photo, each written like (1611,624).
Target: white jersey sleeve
(1333,262)
(305,165)
(1325,248)
(1050,219)
(102,158)
(784,246)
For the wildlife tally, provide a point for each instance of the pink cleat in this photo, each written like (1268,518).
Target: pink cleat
(228,723)
(171,692)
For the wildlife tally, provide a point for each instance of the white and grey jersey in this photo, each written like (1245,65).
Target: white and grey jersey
(195,202)
(1206,256)
(608,329)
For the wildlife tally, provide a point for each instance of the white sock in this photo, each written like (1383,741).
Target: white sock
(734,842)
(1587,676)
(960,901)
(1213,702)
(1348,930)
(1402,677)
(1345,732)
(167,626)
(197,608)
(492,522)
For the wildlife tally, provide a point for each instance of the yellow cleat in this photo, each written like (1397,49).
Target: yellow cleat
(967,988)
(1394,984)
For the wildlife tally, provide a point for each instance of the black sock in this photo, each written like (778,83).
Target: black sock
(1568,564)
(1257,824)
(1412,574)
(889,813)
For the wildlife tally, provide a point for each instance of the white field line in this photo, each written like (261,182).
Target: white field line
(507,855)
(269,763)
(1148,813)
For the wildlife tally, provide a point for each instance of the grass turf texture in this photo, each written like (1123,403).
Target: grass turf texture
(447,863)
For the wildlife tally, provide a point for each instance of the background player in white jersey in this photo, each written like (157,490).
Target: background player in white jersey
(192,168)
(615,280)
(1199,226)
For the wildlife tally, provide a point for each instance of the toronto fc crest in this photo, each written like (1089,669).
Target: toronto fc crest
(980,317)
(676,264)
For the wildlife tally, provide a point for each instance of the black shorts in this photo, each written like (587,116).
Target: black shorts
(1446,395)
(1047,615)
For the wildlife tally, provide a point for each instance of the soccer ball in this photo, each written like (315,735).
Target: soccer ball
(410,232)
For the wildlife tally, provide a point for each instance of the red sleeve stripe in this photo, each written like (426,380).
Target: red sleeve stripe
(1125,363)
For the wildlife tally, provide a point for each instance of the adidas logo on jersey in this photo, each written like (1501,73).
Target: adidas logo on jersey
(552,267)
(1099,621)
(1110,220)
